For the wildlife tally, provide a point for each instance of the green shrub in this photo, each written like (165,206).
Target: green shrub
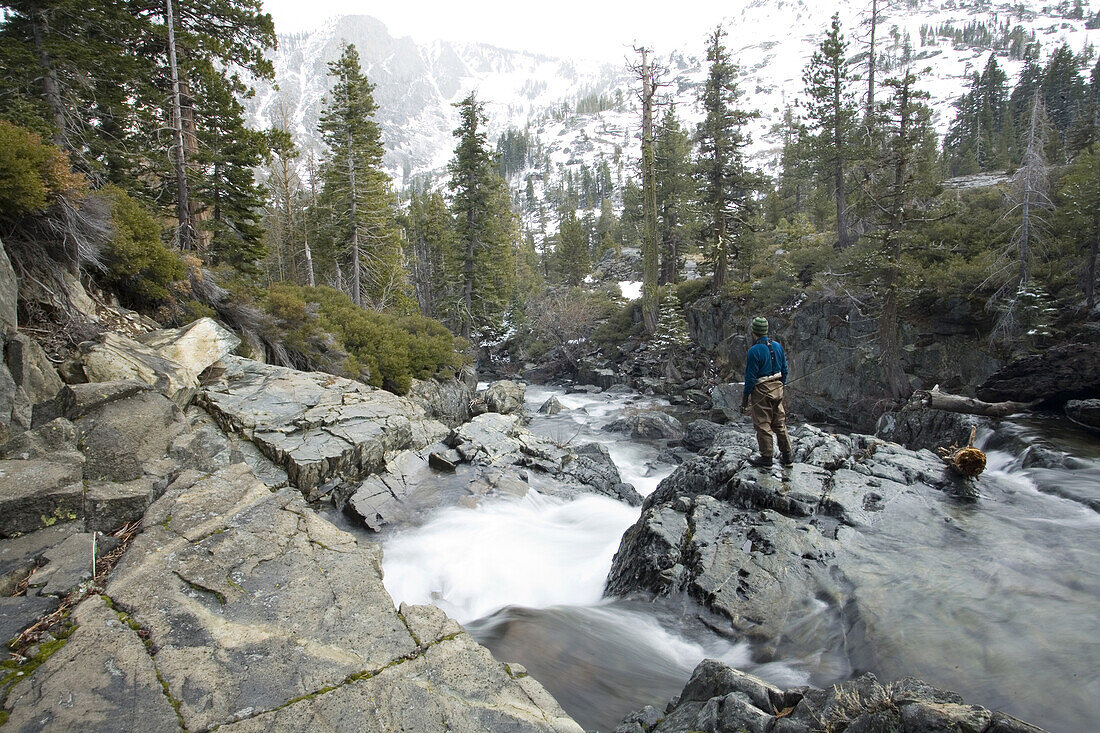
(690,291)
(139,265)
(388,351)
(32,173)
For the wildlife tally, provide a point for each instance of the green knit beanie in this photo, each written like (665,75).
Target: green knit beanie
(760,326)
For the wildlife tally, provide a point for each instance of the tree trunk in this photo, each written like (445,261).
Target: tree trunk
(1090,268)
(896,382)
(50,88)
(870,114)
(1024,244)
(838,170)
(183,204)
(356,293)
(841,204)
(649,199)
(309,262)
(945,402)
(468,275)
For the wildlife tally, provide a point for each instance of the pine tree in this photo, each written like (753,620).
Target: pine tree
(670,339)
(571,262)
(1064,97)
(977,139)
(71,74)
(1081,191)
(903,184)
(226,190)
(831,110)
(486,230)
(672,158)
(726,188)
(357,191)
(431,231)
(199,35)
(794,184)
(105,79)
(285,205)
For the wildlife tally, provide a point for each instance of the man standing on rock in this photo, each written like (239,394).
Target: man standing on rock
(765,375)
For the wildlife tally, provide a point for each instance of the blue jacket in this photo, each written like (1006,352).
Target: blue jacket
(759,362)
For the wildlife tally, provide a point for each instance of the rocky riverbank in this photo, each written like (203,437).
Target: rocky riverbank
(235,604)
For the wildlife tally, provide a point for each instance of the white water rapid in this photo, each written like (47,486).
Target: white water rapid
(526,577)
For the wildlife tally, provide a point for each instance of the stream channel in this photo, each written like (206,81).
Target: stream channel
(1004,608)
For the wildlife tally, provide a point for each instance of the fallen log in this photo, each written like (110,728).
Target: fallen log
(968,461)
(937,400)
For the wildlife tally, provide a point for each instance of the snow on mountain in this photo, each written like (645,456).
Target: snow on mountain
(771,40)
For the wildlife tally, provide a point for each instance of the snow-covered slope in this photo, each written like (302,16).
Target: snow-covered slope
(771,40)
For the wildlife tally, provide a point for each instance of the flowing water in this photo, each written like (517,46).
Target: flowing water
(1001,603)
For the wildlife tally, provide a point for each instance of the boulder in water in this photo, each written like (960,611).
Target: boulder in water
(505,397)
(551,407)
(1084,412)
(445,400)
(719,698)
(917,427)
(653,425)
(725,532)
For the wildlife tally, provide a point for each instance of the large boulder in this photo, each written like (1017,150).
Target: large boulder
(759,547)
(318,427)
(445,400)
(31,369)
(1055,376)
(917,427)
(552,406)
(504,397)
(727,398)
(1084,412)
(112,357)
(719,698)
(16,410)
(123,427)
(242,609)
(103,462)
(195,346)
(39,492)
(591,465)
(652,425)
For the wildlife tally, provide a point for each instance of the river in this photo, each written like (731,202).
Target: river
(1002,604)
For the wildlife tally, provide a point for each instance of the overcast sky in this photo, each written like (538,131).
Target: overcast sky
(592,28)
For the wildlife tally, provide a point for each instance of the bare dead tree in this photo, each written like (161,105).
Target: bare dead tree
(1030,199)
(650,77)
(566,318)
(183,206)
